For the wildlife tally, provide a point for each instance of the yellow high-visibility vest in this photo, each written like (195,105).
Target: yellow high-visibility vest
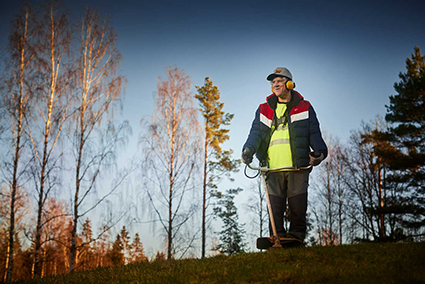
(279,151)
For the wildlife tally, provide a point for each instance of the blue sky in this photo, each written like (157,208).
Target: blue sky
(345,56)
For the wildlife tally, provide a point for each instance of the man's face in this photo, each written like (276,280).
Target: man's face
(278,85)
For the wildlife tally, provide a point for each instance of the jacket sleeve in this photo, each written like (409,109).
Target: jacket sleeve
(315,136)
(254,138)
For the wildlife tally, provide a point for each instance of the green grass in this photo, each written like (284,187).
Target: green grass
(364,263)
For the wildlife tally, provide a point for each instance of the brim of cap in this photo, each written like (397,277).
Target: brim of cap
(272,76)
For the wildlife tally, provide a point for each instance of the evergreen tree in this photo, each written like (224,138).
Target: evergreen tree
(87,239)
(87,233)
(216,160)
(138,254)
(116,254)
(231,237)
(402,148)
(160,256)
(126,246)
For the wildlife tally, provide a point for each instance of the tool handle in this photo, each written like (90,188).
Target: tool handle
(265,169)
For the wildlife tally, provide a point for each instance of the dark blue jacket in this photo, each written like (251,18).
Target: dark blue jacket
(304,130)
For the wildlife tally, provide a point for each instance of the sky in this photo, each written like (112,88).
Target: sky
(345,56)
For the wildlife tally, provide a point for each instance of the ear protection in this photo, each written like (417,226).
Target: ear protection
(290,85)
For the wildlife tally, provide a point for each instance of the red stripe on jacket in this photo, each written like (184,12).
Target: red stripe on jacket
(300,107)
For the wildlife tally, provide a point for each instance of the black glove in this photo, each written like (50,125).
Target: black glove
(247,155)
(316,158)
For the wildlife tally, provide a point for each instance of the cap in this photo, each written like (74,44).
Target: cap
(280,72)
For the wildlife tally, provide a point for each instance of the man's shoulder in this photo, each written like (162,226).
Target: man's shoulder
(301,106)
(266,111)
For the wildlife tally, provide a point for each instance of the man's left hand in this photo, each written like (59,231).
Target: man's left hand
(316,159)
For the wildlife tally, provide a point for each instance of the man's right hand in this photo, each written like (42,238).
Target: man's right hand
(316,158)
(247,155)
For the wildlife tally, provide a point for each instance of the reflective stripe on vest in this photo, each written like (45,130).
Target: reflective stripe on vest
(279,141)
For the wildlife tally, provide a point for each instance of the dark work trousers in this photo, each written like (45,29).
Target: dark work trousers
(291,186)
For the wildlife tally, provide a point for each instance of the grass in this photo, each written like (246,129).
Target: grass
(363,263)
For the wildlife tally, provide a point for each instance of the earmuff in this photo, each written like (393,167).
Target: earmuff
(290,85)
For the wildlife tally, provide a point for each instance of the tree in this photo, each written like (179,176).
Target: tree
(362,179)
(116,254)
(17,94)
(231,235)
(380,167)
(102,247)
(327,237)
(400,151)
(341,189)
(50,109)
(216,161)
(138,254)
(54,235)
(331,194)
(86,246)
(257,207)
(160,256)
(21,210)
(170,145)
(405,152)
(97,90)
(126,245)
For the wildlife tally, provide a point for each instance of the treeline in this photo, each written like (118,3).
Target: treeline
(372,187)
(102,251)
(60,90)
(60,86)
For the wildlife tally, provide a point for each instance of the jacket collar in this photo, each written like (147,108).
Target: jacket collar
(295,99)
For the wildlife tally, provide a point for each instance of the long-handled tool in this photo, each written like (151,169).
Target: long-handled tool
(263,171)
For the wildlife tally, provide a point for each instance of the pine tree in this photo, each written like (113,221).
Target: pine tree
(160,256)
(138,254)
(116,254)
(126,246)
(407,112)
(231,235)
(86,247)
(402,148)
(216,160)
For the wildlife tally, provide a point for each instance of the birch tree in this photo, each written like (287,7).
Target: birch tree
(50,110)
(257,208)
(331,195)
(21,211)
(341,190)
(170,147)
(17,92)
(97,91)
(363,181)
(326,197)
(54,235)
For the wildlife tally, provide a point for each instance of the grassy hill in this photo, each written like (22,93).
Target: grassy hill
(363,263)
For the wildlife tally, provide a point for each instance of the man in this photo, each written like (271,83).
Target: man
(286,133)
